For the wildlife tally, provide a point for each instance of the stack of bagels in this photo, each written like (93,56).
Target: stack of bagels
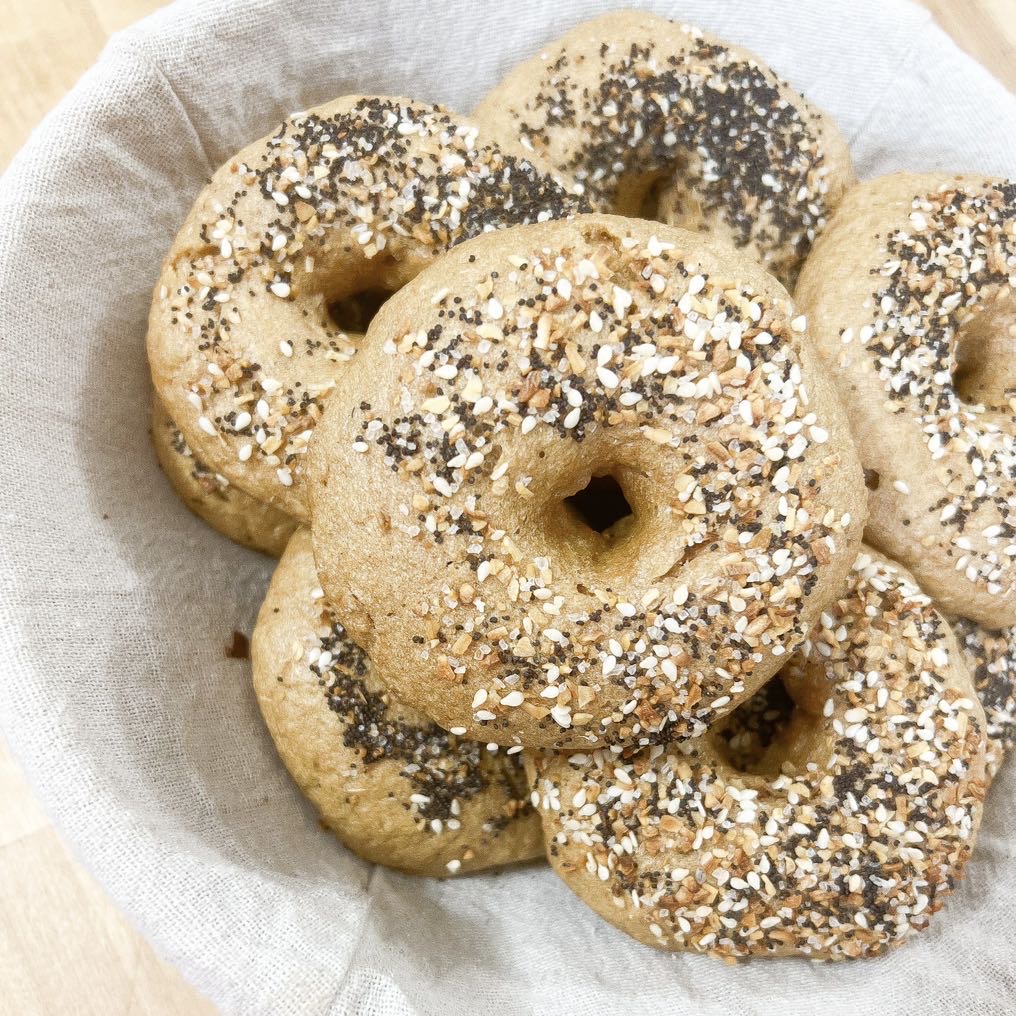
(645,486)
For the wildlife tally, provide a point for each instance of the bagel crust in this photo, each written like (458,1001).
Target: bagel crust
(212,497)
(637,110)
(991,658)
(490,391)
(357,195)
(911,295)
(843,839)
(393,786)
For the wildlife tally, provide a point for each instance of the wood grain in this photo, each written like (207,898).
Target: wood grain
(64,948)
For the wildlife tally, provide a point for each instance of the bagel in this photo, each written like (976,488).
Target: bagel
(522,385)
(911,298)
(653,118)
(395,788)
(840,841)
(212,497)
(991,658)
(351,198)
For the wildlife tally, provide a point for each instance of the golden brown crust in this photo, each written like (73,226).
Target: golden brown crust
(395,788)
(914,273)
(358,194)
(495,386)
(651,117)
(843,839)
(212,497)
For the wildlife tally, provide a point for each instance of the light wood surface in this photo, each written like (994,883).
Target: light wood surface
(64,948)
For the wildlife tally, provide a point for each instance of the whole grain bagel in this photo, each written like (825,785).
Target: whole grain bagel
(211,497)
(654,118)
(609,485)
(845,834)
(351,198)
(910,295)
(393,786)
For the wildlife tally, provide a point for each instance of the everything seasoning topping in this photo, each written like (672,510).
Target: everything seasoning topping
(953,260)
(714,127)
(211,482)
(442,771)
(991,657)
(382,179)
(837,854)
(622,347)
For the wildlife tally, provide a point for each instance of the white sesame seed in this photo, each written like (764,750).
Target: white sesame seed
(607,377)
(561,715)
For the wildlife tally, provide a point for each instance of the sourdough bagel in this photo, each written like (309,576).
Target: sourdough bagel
(393,786)
(910,295)
(650,117)
(351,198)
(525,369)
(842,839)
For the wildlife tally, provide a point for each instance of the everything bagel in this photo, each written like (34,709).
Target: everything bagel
(525,370)
(350,198)
(842,840)
(393,786)
(910,294)
(653,118)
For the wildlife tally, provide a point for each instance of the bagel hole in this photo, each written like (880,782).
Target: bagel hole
(601,505)
(354,313)
(650,204)
(984,356)
(745,737)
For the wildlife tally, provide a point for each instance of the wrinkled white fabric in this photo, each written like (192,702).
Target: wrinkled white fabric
(142,739)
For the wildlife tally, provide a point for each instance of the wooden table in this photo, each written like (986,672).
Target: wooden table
(64,948)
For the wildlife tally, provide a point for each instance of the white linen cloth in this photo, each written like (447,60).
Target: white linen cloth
(142,739)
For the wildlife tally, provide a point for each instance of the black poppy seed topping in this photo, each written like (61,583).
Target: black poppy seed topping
(442,770)
(626,334)
(991,657)
(957,253)
(379,176)
(717,126)
(841,854)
